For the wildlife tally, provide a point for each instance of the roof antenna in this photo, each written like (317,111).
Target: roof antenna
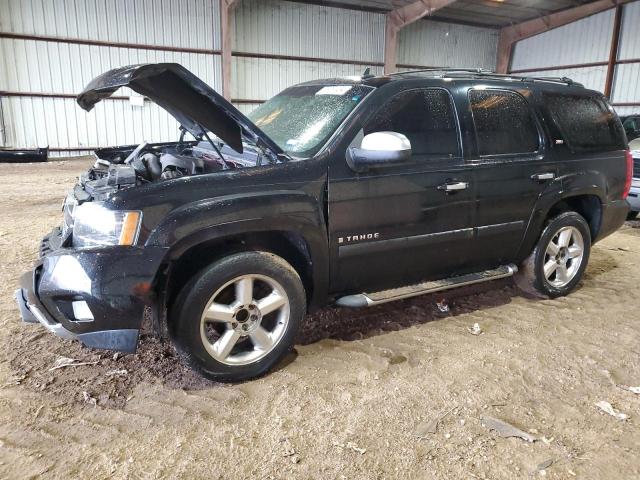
(367,73)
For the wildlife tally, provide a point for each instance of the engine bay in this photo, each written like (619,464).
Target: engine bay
(125,167)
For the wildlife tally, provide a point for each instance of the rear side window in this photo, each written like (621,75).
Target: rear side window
(425,116)
(586,123)
(504,123)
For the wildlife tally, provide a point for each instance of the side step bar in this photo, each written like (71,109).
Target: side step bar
(384,296)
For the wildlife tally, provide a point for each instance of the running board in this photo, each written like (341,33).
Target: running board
(384,296)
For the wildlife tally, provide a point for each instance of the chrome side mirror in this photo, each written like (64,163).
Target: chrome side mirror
(379,149)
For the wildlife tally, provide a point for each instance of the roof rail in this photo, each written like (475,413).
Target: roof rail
(443,69)
(566,80)
(479,72)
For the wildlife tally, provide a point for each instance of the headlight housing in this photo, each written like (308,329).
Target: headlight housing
(95,225)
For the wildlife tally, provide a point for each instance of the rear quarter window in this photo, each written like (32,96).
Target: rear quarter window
(585,123)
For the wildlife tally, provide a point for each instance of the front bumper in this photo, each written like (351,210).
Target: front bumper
(634,195)
(113,285)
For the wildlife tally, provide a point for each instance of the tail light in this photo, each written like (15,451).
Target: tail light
(627,181)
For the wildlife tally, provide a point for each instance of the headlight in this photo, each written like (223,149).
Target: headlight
(95,225)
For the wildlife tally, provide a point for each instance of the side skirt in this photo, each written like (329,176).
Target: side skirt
(376,298)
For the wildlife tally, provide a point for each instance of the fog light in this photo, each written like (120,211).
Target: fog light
(81,311)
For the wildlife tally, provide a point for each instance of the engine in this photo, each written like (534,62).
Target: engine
(121,168)
(153,167)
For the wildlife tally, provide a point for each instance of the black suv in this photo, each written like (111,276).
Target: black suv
(356,191)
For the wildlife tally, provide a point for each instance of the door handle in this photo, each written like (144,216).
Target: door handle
(543,176)
(453,186)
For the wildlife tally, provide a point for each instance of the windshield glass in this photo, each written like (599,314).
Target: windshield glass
(301,119)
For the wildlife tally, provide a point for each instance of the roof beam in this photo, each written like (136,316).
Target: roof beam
(226,19)
(514,33)
(613,52)
(399,18)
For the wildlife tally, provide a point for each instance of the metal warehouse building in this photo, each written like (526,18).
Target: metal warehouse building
(50,49)
(320,239)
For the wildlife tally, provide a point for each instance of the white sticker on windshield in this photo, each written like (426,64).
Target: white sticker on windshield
(334,90)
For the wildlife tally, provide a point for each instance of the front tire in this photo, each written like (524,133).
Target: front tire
(238,317)
(560,257)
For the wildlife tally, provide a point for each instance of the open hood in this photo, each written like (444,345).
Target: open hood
(191,101)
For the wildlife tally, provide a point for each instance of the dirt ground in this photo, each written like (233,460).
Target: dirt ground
(356,397)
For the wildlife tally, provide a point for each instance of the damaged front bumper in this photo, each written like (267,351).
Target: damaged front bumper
(96,296)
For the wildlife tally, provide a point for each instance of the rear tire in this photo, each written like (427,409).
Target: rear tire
(632,215)
(238,317)
(559,259)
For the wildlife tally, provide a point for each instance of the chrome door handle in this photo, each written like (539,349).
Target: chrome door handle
(453,186)
(543,176)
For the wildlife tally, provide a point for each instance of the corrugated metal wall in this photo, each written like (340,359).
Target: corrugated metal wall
(588,41)
(441,44)
(59,45)
(584,41)
(273,27)
(59,122)
(591,77)
(626,84)
(186,23)
(59,68)
(288,28)
(42,74)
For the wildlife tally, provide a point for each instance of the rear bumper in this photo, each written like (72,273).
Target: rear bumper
(95,296)
(614,214)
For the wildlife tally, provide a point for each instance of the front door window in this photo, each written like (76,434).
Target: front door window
(426,117)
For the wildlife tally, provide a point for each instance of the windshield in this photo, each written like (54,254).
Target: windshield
(301,119)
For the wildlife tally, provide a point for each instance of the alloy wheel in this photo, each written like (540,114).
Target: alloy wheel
(563,256)
(245,319)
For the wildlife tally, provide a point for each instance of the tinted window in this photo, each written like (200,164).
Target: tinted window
(425,116)
(503,123)
(585,122)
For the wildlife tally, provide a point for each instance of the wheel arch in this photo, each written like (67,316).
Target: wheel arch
(589,206)
(289,223)
(587,203)
(199,250)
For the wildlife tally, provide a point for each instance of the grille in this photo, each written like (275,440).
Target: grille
(636,168)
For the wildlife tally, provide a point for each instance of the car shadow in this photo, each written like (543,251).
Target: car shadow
(350,324)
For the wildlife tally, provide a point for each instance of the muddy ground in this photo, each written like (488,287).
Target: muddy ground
(349,402)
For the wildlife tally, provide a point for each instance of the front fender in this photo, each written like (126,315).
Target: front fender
(229,215)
